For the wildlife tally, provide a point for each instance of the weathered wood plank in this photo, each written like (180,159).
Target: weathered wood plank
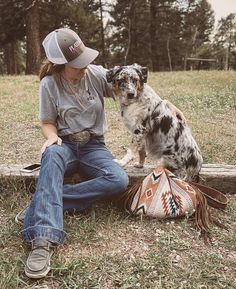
(14,171)
(221,177)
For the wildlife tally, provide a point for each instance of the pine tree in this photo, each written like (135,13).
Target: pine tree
(34,19)
(33,55)
(11,31)
(225,42)
(130,39)
(198,24)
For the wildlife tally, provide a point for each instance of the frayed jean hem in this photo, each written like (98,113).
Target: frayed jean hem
(43,232)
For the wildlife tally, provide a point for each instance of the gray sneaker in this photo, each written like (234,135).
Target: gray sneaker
(38,262)
(19,218)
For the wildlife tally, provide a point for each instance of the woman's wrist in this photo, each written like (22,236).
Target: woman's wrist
(175,110)
(52,135)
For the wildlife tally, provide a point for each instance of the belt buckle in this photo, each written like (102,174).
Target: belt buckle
(82,137)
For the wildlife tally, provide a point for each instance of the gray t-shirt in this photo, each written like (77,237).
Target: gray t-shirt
(78,107)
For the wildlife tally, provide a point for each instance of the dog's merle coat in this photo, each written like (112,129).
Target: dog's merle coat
(154,126)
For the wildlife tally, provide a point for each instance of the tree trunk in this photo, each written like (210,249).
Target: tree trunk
(131,16)
(102,34)
(227,54)
(33,57)
(153,38)
(168,52)
(193,40)
(10,55)
(185,62)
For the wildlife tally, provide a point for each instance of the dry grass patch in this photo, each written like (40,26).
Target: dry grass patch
(207,98)
(108,249)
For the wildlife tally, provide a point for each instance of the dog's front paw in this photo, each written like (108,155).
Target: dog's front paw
(126,159)
(138,165)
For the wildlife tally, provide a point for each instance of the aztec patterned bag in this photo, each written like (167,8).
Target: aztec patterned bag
(162,195)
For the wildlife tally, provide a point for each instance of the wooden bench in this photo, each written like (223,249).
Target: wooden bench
(220,177)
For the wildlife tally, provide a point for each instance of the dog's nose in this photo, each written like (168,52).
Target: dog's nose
(130,95)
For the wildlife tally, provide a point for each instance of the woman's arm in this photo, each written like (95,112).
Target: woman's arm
(49,131)
(178,112)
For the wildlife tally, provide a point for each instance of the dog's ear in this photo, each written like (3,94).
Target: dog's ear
(111,73)
(144,71)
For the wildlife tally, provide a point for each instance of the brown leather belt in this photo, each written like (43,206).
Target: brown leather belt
(82,137)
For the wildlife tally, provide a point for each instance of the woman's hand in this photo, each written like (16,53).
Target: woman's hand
(52,139)
(176,111)
(50,133)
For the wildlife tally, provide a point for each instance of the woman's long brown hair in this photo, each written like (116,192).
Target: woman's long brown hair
(49,68)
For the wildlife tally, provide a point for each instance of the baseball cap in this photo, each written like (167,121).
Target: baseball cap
(64,46)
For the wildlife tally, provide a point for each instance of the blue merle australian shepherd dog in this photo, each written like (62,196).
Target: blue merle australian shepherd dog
(154,126)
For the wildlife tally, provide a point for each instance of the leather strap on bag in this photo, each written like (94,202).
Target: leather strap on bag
(214,197)
(127,197)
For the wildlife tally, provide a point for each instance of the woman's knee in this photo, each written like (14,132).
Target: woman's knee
(55,152)
(119,182)
(54,148)
(124,181)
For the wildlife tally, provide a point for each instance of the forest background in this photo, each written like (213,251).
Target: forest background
(165,35)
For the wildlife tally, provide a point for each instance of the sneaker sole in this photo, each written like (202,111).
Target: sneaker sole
(37,275)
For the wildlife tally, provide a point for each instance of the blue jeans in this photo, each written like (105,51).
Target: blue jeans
(44,216)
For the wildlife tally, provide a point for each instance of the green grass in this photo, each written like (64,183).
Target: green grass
(208,100)
(106,248)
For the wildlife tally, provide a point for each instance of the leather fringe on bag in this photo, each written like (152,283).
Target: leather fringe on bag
(162,195)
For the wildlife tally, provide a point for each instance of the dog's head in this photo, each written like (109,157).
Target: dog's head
(127,81)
